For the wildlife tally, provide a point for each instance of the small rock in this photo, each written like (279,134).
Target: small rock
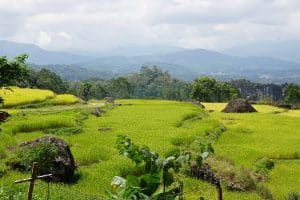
(3,116)
(109,99)
(104,129)
(97,112)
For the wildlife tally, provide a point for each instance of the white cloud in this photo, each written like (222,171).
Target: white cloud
(103,24)
(43,38)
(64,35)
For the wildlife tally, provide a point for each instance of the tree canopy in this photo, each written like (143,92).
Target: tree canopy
(12,70)
(292,93)
(210,90)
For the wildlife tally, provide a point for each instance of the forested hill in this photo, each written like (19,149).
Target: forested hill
(182,64)
(189,64)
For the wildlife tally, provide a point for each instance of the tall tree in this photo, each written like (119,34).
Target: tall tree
(152,82)
(292,93)
(210,90)
(204,89)
(46,79)
(85,91)
(120,87)
(10,72)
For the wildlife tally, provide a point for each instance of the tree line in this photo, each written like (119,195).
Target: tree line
(150,83)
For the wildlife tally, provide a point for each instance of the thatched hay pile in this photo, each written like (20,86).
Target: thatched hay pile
(239,106)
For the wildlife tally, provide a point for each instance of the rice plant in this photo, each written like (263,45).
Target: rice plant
(64,99)
(42,124)
(20,96)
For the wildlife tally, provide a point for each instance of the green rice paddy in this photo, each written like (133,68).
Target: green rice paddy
(161,125)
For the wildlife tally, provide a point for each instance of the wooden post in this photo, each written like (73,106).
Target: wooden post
(219,189)
(33,177)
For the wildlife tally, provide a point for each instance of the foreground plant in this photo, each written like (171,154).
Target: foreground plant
(157,180)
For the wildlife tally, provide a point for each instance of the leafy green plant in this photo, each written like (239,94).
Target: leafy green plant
(264,165)
(44,154)
(157,177)
(205,151)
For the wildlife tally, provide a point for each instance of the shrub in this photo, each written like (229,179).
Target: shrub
(236,179)
(182,141)
(44,154)
(292,196)
(264,192)
(264,165)
(156,182)
(244,180)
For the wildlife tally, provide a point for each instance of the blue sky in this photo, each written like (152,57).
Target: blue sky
(95,25)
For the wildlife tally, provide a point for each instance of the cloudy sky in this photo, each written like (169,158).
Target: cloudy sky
(103,24)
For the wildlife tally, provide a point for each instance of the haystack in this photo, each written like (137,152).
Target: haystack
(239,106)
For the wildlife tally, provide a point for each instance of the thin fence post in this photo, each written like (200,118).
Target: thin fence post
(219,189)
(33,177)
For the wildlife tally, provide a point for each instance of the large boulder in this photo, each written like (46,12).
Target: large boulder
(64,164)
(239,106)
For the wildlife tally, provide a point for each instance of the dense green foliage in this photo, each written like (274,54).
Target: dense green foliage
(85,91)
(292,196)
(210,90)
(259,91)
(153,83)
(13,70)
(43,153)
(157,172)
(148,83)
(120,87)
(45,79)
(292,93)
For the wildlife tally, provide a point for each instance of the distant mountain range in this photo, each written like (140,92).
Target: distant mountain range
(182,63)
(38,55)
(281,49)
